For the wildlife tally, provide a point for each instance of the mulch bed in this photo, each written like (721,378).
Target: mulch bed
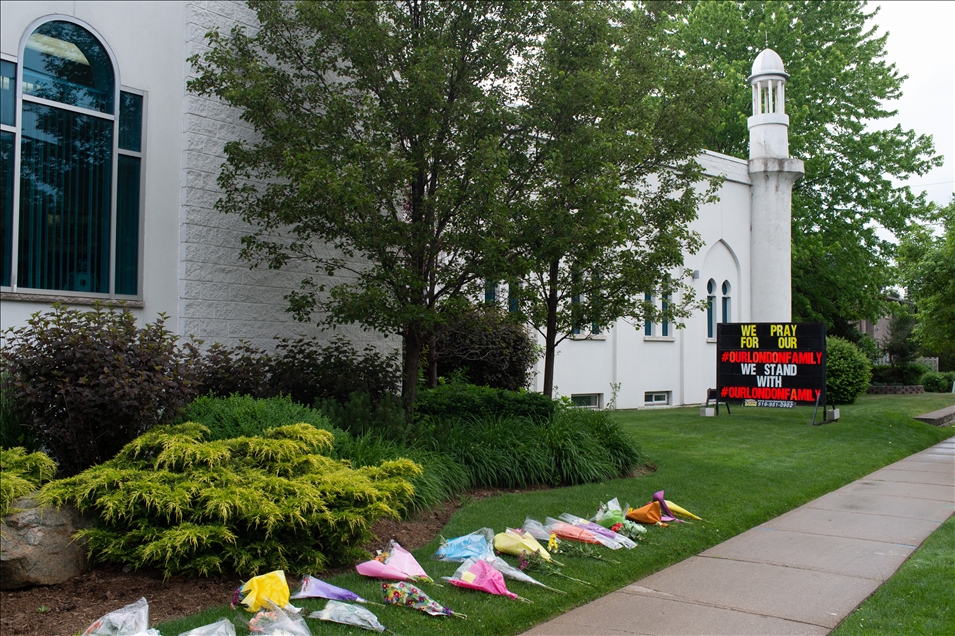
(68,609)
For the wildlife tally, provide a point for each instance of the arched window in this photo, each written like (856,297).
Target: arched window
(71,167)
(727,302)
(711,309)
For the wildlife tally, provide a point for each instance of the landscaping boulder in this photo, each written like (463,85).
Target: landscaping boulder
(37,546)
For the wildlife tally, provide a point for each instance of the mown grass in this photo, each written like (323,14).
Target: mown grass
(735,471)
(918,599)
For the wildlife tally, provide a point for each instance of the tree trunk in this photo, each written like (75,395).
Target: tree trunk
(413,345)
(433,362)
(550,333)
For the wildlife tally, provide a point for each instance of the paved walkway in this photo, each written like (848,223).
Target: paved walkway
(800,573)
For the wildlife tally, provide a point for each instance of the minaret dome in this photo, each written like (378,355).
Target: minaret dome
(769,124)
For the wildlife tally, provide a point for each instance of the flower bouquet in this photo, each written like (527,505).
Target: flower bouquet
(535,562)
(478,574)
(407,595)
(571,548)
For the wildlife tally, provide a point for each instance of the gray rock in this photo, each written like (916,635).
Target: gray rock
(37,545)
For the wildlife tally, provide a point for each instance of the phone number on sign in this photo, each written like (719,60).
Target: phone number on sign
(777,404)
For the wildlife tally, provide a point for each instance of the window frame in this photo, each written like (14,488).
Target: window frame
(595,406)
(726,302)
(14,291)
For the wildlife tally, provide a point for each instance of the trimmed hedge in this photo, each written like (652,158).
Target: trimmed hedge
(464,401)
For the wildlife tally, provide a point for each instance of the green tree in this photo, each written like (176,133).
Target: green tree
(928,269)
(840,87)
(615,117)
(382,133)
(900,346)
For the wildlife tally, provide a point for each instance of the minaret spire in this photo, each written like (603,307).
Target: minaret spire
(773,173)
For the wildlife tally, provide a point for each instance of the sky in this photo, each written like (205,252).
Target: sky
(922,45)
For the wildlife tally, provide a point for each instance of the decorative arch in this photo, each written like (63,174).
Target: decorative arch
(721,270)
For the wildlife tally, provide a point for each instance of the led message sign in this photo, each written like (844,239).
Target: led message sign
(771,364)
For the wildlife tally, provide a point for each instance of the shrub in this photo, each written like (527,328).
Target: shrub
(13,430)
(588,446)
(310,372)
(572,446)
(20,474)
(242,370)
(498,451)
(244,415)
(885,374)
(464,401)
(441,476)
(911,374)
(490,347)
(304,369)
(360,415)
(935,382)
(174,501)
(91,381)
(848,371)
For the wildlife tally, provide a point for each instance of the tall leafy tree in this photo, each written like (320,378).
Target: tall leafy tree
(382,132)
(840,87)
(927,261)
(612,118)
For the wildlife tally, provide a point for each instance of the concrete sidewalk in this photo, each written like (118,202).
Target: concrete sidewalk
(800,573)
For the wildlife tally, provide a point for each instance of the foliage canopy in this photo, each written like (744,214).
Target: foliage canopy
(840,87)
(614,115)
(928,270)
(381,134)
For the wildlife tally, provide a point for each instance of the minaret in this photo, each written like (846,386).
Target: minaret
(773,174)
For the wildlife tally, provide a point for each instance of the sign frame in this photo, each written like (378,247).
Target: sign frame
(774,365)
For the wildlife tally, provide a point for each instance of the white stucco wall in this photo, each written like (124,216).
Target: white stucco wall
(192,271)
(684,363)
(143,36)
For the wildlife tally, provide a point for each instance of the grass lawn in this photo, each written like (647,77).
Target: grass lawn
(734,471)
(918,599)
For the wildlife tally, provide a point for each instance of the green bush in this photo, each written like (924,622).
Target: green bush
(572,446)
(464,401)
(441,476)
(490,347)
(360,415)
(885,374)
(13,430)
(912,373)
(174,501)
(588,446)
(90,381)
(848,371)
(935,382)
(305,369)
(497,451)
(244,415)
(20,474)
